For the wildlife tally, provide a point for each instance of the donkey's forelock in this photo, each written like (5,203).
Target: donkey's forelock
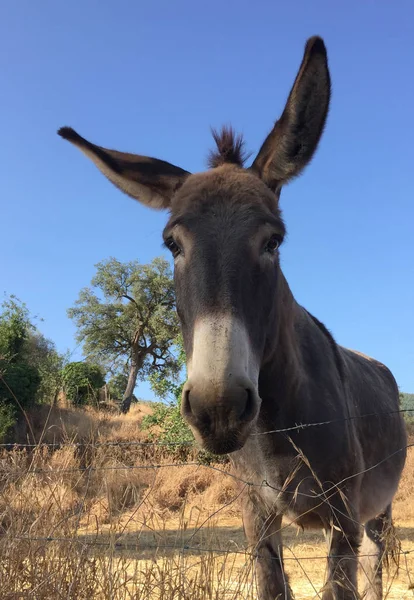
(230,148)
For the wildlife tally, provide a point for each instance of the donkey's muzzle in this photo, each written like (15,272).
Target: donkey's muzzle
(220,416)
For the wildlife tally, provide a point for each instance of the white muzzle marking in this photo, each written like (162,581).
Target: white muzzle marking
(222,352)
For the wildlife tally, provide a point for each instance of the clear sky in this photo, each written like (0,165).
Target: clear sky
(151,77)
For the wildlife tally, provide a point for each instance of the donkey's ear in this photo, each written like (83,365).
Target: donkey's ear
(149,180)
(291,144)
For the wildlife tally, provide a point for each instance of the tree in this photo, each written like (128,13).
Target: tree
(407,405)
(19,380)
(30,360)
(41,354)
(82,382)
(129,320)
(117,386)
(169,387)
(15,325)
(170,425)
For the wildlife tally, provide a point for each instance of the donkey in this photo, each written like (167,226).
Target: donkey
(258,363)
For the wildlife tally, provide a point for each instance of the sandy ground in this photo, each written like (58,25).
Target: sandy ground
(156,538)
(203,531)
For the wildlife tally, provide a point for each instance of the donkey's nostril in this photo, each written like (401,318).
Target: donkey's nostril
(220,415)
(186,406)
(249,411)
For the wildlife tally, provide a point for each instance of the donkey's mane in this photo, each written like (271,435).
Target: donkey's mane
(230,148)
(333,345)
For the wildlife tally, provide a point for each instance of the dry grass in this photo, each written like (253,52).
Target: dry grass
(88,522)
(404,500)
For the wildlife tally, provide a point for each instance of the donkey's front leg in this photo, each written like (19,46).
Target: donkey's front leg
(341,583)
(265,542)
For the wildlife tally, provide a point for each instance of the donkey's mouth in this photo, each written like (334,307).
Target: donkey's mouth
(224,443)
(224,446)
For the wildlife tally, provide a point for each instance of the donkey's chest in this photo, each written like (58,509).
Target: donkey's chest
(291,492)
(283,485)
(298,502)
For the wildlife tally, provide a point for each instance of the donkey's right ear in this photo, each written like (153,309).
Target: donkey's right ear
(149,180)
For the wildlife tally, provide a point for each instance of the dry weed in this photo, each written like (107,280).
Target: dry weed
(85,521)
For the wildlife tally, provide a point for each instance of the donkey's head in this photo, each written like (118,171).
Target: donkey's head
(224,232)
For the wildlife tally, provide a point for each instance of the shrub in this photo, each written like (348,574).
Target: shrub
(7,420)
(18,381)
(82,382)
(41,353)
(173,429)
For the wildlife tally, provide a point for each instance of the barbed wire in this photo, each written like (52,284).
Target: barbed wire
(183,548)
(338,420)
(264,483)
(192,443)
(90,469)
(58,445)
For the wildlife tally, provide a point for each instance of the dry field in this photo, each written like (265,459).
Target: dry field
(98,521)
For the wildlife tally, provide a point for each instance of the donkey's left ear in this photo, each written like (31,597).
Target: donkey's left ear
(291,144)
(151,181)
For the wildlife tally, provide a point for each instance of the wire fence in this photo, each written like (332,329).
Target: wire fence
(181,546)
(295,427)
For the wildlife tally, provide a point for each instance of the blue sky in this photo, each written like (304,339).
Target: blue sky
(152,77)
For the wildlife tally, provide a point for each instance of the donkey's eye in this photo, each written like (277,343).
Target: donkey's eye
(173,247)
(273,244)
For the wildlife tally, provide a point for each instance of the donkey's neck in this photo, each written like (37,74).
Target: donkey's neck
(281,372)
(298,347)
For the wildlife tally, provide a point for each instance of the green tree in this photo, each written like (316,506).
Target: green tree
(82,382)
(168,416)
(407,405)
(15,325)
(19,380)
(30,366)
(129,320)
(117,385)
(41,354)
